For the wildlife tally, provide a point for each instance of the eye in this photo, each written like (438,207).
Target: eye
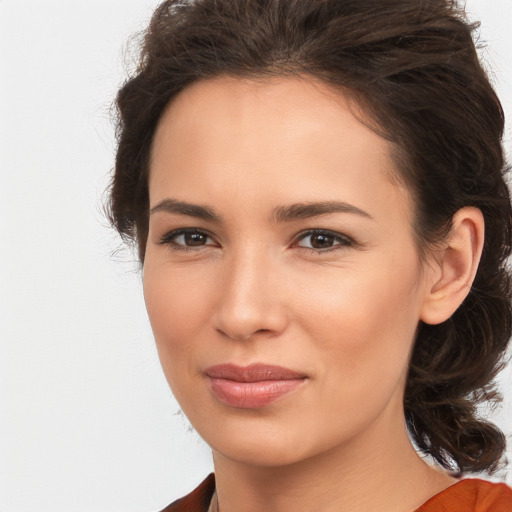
(321,240)
(183,239)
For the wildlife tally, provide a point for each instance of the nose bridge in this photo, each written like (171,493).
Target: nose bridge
(248,301)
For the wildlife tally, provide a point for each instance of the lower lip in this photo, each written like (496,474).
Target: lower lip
(252,395)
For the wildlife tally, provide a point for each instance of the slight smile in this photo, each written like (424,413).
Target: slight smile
(253,386)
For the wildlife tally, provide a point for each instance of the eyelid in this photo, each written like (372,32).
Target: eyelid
(167,238)
(343,240)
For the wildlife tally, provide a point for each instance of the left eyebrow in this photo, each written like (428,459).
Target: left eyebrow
(306,210)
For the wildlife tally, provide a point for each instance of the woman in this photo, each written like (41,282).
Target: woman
(316,190)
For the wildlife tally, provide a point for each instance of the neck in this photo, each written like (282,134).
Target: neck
(376,471)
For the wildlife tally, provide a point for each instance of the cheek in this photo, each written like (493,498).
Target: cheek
(363,330)
(364,322)
(178,309)
(354,301)
(176,300)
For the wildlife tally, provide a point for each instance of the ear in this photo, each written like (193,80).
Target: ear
(453,268)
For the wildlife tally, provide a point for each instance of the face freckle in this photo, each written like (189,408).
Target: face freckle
(330,290)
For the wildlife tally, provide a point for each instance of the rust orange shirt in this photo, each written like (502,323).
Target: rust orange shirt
(471,495)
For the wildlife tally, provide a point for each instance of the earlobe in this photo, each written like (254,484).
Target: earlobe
(454,269)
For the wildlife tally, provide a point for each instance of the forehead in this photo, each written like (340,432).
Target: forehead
(279,101)
(296,133)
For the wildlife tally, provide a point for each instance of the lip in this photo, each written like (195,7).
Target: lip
(253,386)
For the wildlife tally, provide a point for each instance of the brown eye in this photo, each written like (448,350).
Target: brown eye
(194,239)
(323,240)
(187,238)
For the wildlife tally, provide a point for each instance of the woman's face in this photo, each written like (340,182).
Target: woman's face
(281,277)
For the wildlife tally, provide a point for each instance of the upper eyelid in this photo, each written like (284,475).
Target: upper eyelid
(319,231)
(166,238)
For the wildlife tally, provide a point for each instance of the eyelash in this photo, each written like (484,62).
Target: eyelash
(169,239)
(340,241)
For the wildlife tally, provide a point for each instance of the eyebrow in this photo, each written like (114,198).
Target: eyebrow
(280,214)
(183,208)
(307,210)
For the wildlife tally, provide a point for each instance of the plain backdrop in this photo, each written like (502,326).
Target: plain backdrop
(87,423)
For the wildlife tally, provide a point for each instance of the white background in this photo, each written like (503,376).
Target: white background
(87,423)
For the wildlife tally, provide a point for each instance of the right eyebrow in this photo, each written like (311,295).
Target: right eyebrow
(182,208)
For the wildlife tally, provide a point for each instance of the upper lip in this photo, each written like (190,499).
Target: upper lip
(253,373)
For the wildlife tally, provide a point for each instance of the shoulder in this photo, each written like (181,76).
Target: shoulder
(196,501)
(474,495)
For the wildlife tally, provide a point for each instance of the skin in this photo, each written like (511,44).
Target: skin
(250,286)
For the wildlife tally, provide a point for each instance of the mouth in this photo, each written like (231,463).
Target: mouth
(253,386)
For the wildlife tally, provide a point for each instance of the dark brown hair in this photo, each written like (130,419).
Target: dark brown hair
(414,69)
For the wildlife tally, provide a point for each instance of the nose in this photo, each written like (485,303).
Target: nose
(250,299)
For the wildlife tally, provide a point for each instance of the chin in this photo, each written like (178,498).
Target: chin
(260,453)
(263,445)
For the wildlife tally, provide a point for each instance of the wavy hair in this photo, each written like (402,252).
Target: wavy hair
(414,69)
